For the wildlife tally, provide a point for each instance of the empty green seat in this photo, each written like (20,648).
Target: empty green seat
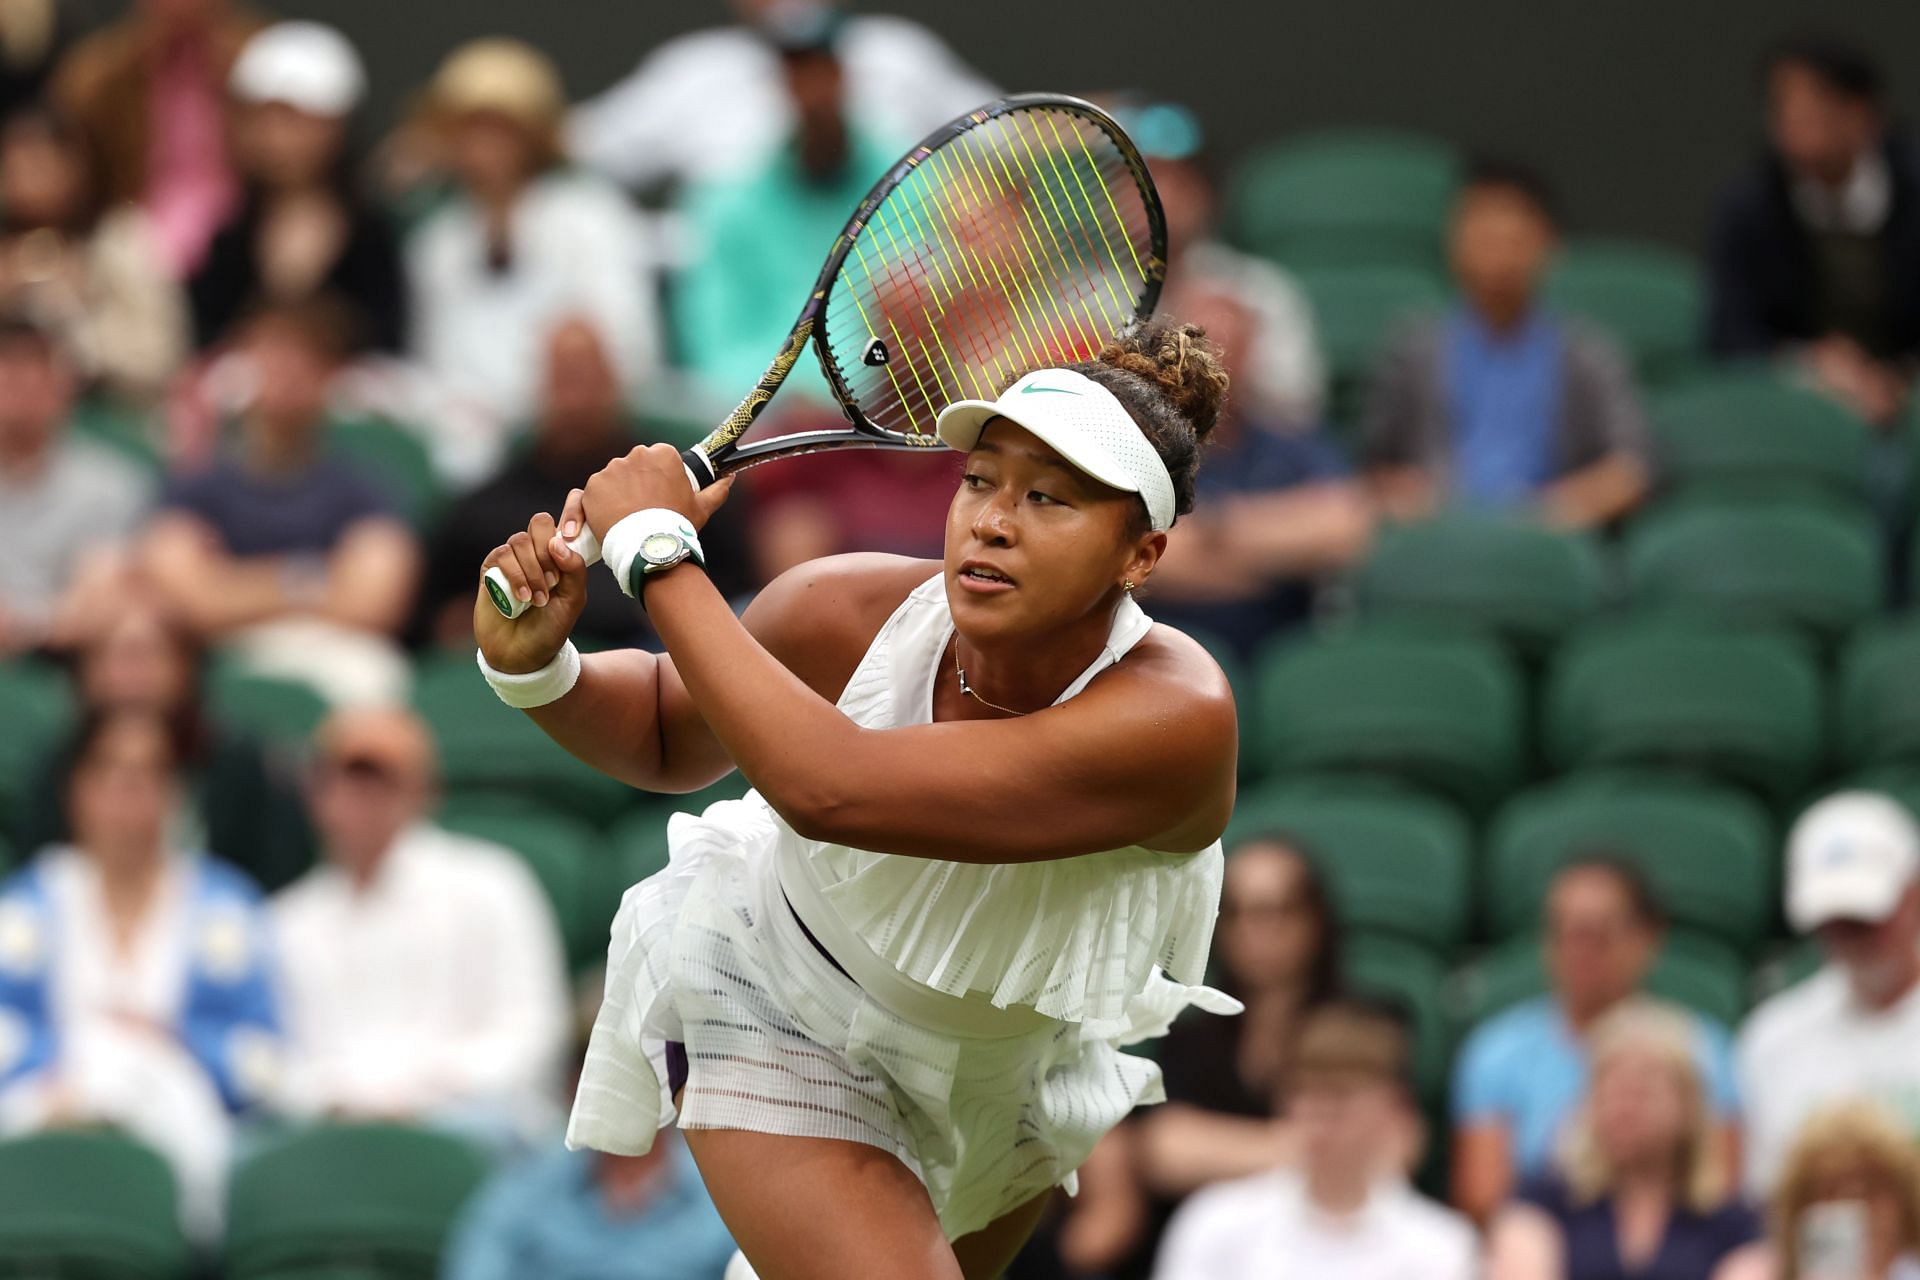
(560,850)
(1700,973)
(1525,584)
(1646,296)
(1746,706)
(92,1205)
(489,750)
(1709,852)
(1442,712)
(1751,434)
(1416,980)
(1357,309)
(1879,701)
(36,712)
(274,710)
(379,1197)
(1344,198)
(1395,862)
(1811,566)
(397,458)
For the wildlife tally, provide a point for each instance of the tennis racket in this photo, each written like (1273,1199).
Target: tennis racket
(1026,233)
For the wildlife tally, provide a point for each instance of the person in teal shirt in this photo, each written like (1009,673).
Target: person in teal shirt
(763,232)
(584,1215)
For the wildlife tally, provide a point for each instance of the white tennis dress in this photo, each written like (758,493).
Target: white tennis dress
(977,1028)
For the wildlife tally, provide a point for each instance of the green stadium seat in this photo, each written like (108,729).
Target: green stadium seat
(1395,862)
(1345,198)
(1879,696)
(1414,978)
(398,458)
(130,432)
(1750,434)
(348,1199)
(1442,712)
(1357,309)
(488,750)
(560,850)
(1709,852)
(1703,974)
(1814,567)
(38,713)
(1646,296)
(1746,706)
(280,712)
(91,1205)
(1522,583)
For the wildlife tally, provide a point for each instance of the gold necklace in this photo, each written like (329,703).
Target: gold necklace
(967,689)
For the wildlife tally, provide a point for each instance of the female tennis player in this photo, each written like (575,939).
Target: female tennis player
(885,994)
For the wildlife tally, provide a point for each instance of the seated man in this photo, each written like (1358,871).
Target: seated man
(1852,1029)
(67,505)
(1815,252)
(1521,1074)
(423,973)
(587,1215)
(292,555)
(1347,1209)
(1500,403)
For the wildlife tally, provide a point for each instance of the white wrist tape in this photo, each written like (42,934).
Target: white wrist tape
(622,543)
(534,688)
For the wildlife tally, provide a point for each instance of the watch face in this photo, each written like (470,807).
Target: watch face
(659,548)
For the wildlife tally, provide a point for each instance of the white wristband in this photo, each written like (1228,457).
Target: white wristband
(534,688)
(622,544)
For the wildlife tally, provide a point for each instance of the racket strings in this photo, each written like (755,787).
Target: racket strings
(1024,241)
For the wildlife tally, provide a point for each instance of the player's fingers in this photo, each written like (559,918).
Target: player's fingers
(540,530)
(709,500)
(503,558)
(573,516)
(528,556)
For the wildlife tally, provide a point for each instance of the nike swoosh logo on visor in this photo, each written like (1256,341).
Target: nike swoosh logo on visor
(1031,388)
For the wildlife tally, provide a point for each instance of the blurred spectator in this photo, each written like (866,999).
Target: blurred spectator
(1347,1210)
(764,228)
(1853,1028)
(1640,1189)
(1521,1074)
(1501,402)
(90,272)
(1279,953)
(291,554)
(150,92)
(301,229)
(424,975)
(586,1215)
(67,505)
(33,35)
(1277,510)
(245,808)
(134,983)
(523,242)
(1815,252)
(1280,376)
(583,424)
(1848,1201)
(706,104)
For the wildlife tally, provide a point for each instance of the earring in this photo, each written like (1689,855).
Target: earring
(1126,585)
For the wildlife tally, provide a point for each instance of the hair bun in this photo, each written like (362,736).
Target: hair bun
(1178,359)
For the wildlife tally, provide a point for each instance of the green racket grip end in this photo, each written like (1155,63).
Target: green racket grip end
(586,546)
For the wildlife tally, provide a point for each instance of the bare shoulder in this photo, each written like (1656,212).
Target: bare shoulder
(820,617)
(1181,664)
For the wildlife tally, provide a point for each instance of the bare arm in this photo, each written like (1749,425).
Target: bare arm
(1595,495)
(216,592)
(1183,1147)
(1404,492)
(371,575)
(1482,1169)
(1525,1244)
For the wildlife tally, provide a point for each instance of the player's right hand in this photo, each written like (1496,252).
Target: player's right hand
(542,569)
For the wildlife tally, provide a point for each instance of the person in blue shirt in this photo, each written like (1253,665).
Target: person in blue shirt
(586,1215)
(1521,1074)
(1499,402)
(135,987)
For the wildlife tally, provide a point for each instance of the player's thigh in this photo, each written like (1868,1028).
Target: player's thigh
(986,1253)
(821,1208)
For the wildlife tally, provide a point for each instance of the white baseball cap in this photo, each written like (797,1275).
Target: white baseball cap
(1080,420)
(1850,857)
(303,64)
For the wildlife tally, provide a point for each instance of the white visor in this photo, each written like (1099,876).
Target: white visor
(1081,421)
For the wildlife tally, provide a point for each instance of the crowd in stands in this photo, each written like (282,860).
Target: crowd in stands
(273,865)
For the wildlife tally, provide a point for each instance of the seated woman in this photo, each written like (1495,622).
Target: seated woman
(1640,1192)
(133,975)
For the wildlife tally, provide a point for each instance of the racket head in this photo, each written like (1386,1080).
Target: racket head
(1024,234)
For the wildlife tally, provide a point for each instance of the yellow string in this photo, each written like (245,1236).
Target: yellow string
(1066,226)
(1038,350)
(900,392)
(1112,257)
(1069,323)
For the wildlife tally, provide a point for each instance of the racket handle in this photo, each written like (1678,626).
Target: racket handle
(586,546)
(699,470)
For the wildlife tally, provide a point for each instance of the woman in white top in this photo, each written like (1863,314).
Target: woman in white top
(885,994)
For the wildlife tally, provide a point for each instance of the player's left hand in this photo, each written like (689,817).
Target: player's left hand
(647,476)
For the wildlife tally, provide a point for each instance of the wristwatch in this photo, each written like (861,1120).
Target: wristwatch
(662,549)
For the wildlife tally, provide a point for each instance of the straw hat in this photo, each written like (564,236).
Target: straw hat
(501,77)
